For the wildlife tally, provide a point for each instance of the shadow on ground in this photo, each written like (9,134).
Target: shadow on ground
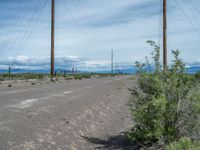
(118,142)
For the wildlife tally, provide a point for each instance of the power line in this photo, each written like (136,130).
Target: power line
(29,28)
(160,23)
(76,21)
(192,11)
(11,28)
(34,19)
(12,37)
(194,6)
(25,32)
(88,34)
(83,13)
(187,17)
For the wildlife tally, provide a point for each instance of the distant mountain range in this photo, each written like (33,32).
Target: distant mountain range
(127,70)
(193,69)
(24,64)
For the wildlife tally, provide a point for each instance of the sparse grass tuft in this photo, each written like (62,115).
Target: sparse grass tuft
(2,79)
(22,76)
(82,76)
(197,76)
(184,144)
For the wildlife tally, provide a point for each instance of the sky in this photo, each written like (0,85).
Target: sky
(87,30)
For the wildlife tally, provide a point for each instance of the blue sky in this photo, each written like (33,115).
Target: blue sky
(87,30)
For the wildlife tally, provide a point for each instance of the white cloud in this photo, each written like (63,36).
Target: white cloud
(97,64)
(84,64)
(89,29)
(22,58)
(19,59)
(73,57)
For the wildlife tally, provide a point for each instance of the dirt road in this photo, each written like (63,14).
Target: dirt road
(67,115)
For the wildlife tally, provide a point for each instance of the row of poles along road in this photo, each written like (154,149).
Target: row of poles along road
(164,37)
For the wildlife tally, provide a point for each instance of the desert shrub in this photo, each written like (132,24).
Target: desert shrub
(23,76)
(184,144)
(165,106)
(2,78)
(197,76)
(82,76)
(32,76)
(106,74)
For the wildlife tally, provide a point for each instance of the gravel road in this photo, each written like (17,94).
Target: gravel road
(84,114)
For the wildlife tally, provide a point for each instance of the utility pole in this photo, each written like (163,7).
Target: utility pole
(52,36)
(116,68)
(164,34)
(60,70)
(73,71)
(112,61)
(9,71)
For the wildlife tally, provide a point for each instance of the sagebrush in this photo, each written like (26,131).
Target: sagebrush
(165,106)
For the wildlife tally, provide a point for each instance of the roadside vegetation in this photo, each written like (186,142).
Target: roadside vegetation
(22,76)
(89,75)
(165,106)
(40,76)
(80,76)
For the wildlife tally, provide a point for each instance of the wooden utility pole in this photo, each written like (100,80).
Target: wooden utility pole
(165,34)
(9,71)
(111,61)
(52,36)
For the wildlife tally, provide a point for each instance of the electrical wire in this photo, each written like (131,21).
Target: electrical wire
(79,26)
(83,13)
(34,21)
(192,12)
(160,23)
(194,6)
(12,37)
(30,27)
(26,30)
(11,28)
(76,21)
(187,17)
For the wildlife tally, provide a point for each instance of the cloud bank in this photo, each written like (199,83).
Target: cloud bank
(66,63)
(91,28)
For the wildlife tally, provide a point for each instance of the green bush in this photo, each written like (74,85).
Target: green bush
(197,75)
(82,76)
(165,106)
(22,76)
(184,144)
(2,79)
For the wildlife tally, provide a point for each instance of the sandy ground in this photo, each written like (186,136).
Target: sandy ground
(84,114)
